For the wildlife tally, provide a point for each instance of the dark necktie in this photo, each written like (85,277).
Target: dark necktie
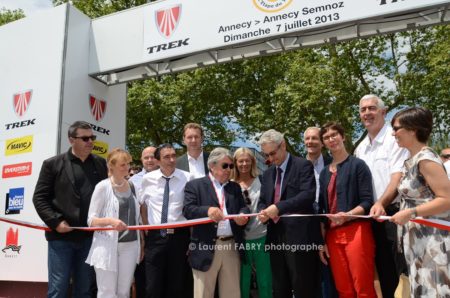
(277,194)
(165,206)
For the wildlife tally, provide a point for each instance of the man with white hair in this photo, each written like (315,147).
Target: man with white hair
(215,253)
(289,187)
(385,159)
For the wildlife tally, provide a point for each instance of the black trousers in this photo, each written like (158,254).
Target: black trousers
(294,270)
(166,264)
(389,261)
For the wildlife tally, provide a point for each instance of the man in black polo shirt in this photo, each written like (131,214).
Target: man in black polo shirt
(61,198)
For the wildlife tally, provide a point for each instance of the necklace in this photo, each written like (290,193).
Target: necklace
(117,185)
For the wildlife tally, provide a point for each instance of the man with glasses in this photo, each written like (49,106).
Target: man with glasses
(215,250)
(385,160)
(289,187)
(61,198)
(165,250)
(445,156)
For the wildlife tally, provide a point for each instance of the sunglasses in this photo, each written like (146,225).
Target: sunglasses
(246,197)
(396,128)
(86,138)
(227,165)
(445,156)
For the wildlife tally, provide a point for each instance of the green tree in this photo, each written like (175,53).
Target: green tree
(7,16)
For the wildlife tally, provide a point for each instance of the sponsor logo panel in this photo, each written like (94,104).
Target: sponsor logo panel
(167,20)
(17,170)
(19,145)
(97,107)
(100,149)
(21,102)
(12,247)
(271,5)
(14,200)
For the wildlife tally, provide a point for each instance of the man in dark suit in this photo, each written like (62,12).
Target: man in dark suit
(61,198)
(195,159)
(314,147)
(289,186)
(216,248)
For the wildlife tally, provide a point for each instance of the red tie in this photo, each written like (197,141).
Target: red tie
(277,194)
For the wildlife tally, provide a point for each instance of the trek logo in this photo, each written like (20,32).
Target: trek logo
(17,170)
(24,123)
(99,129)
(168,46)
(19,145)
(14,200)
(98,107)
(167,20)
(21,101)
(12,240)
(384,2)
(100,149)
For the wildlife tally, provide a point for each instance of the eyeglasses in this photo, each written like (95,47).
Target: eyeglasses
(86,138)
(271,153)
(227,165)
(396,128)
(246,197)
(331,136)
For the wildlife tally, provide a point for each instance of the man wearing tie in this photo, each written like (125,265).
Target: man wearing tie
(165,249)
(289,187)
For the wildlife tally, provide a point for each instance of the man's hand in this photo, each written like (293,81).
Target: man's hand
(63,227)
(271,211)
(241,220)
(263,217)
(215,214)
(338,219)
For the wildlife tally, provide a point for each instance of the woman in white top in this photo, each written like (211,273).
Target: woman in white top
(114,254)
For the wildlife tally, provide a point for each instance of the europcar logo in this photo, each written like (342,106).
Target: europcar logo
(98,107)
(21,102)
(14,200)
(167,20)
(12,243)
(19,145)
(271,5)
(17,170)
(100,149)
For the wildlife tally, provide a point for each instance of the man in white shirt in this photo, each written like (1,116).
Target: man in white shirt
(149,163)
(385,159)
(445,156)
(165,250)
(195,159)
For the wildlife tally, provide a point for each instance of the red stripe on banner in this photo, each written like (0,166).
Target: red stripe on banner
(435,223)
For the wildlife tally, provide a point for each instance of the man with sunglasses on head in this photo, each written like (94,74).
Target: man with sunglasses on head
(215,250)
(289,187)
(445,156)
(61,198)
(385,159)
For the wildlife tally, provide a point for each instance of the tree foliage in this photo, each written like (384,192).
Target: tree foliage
(7,16)
(290,91)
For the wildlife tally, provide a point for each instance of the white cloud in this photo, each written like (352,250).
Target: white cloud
(28,6)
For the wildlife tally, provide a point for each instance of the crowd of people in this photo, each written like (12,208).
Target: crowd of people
(254,232)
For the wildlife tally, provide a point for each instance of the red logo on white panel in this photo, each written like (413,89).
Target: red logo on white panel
(98,107)
(12,241)
(17,170)
(21,101)
(167,20)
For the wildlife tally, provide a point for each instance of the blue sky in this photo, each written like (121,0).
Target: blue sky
(28,6)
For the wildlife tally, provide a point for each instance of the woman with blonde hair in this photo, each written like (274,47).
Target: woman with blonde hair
(114,254)
(246,174)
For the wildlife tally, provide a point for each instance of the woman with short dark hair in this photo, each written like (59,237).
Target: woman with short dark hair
(425,191)
(346,190)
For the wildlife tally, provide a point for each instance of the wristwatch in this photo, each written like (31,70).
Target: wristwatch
(413,213)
